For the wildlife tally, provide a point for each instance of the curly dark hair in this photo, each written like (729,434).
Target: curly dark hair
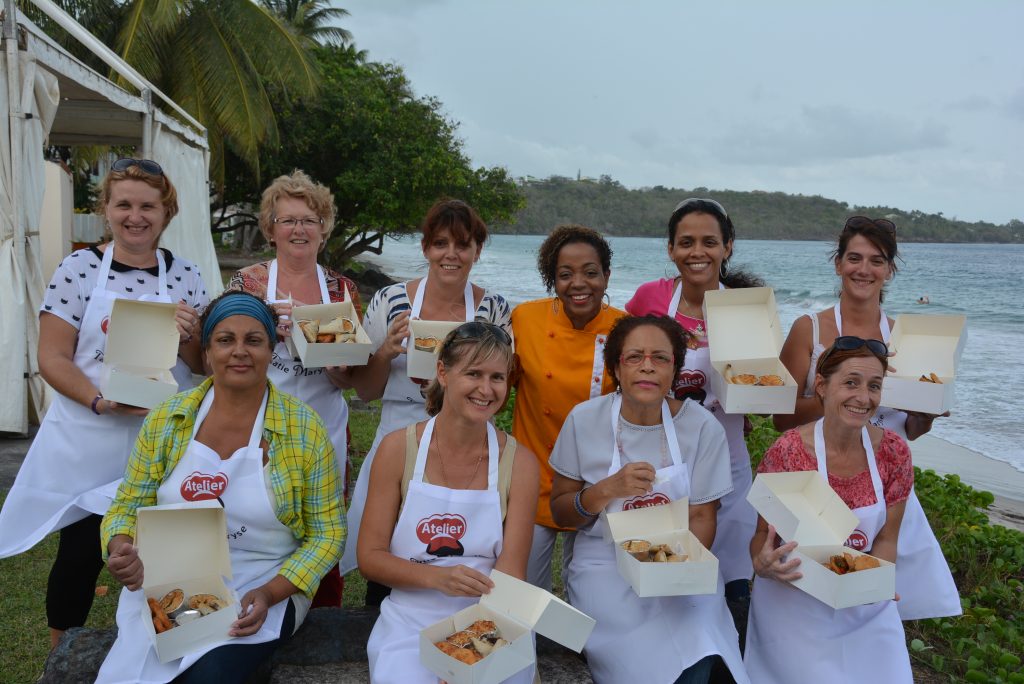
(567,234)
(731,278)
(620,331)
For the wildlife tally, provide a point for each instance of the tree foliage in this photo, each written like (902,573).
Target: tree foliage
(607,206)
(386,154)
(312,19)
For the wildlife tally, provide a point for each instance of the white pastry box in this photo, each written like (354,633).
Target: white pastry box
(518,609)
(184,546)
(924,344)
(664,524)
(321,354)
(745,338)
(425,338)
(803,507)
(141,350)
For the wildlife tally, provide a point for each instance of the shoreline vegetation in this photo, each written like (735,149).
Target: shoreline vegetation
(607,206)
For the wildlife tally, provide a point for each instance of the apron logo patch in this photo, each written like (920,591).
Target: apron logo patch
(690,378)
(645,501)
(202,487)
(104,324)
(858,541)
(441,533)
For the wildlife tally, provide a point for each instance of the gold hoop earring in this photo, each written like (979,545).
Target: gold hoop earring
(607,301)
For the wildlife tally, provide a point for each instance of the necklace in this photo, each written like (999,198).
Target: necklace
(622,454)
(444,473)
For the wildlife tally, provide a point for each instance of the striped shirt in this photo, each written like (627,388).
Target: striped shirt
(303,476)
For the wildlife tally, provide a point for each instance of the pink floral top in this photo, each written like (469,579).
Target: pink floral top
(654,298)
(253,279)
(789,454)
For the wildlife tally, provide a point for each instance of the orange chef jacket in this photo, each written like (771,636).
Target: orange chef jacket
(561,367)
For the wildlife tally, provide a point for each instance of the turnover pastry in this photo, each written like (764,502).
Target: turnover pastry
(206,603)
(426,344)
(847,563)
(931,377)
(340,329)
(474,643)
(645,552)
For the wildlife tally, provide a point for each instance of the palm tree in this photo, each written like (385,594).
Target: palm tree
(311,19)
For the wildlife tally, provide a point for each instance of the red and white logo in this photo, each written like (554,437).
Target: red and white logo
(441,533)
(202,487)
(690,378)
(646,501)
(104,324)
(858,541)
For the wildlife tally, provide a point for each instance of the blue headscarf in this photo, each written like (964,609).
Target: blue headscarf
(238,304)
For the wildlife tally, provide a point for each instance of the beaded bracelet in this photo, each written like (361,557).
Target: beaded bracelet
(95,401)
(578,504)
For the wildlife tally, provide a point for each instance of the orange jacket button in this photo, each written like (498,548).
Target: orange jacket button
(548,374)
(547,412)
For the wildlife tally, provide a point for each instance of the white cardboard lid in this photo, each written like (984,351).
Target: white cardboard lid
(142,334)
(742,324)
(544,613)
(928,343)
(640,523)
(803,507)
(182,541)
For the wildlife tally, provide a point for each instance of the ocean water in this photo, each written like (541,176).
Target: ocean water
(985,282)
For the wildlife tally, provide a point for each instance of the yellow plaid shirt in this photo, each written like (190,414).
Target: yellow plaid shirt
(303,476)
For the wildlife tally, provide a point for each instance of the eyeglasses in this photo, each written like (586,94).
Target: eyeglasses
(694,200)
(475,330)
(862,222)
(147,165)
(635,358)
(290,223)
(851,342)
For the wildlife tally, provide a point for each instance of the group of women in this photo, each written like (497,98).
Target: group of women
(613,410)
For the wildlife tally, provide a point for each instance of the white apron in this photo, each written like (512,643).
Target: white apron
(793,637)
(923,579)
(258,544)
(475,516)
(646,639)
(397,373)
(77,458)
(310,385)
(737,519)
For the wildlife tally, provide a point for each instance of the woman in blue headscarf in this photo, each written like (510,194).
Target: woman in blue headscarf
(268,459)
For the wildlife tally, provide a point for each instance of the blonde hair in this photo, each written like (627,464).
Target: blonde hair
(297,185)
(168,195)
(469,350)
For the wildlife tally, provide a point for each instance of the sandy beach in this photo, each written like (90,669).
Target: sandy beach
(979,471)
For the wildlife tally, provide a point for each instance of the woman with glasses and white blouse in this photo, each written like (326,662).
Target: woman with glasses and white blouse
(297,218)
(632,449)
(865,260)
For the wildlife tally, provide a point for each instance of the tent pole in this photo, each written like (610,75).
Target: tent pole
(147,124)
(14,119)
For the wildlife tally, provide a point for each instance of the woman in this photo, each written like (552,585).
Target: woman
(84,440)
(283,494)
(700,243)
(627,450)
(453,237)
(297,217)
(560,345)
(865,259)
(455,464)
(793,637)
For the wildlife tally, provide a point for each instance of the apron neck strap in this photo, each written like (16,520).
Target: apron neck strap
(667,425)
(467,294)
(108,259)
(819,453)
(883,323)
(325,296)
(257,427)
(424,447)
(677,295)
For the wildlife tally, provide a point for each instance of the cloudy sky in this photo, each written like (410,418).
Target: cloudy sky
(916,104)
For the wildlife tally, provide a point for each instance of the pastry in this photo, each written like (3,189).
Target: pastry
(325,338)
(770,381)
(339,325)
(931,377)
(847,563)
(173,602)
(309,329)
(463,639)
(161,623)
(678,558)
(484,629)
(638,548)
(744,379)
(481,646)
(661,556)
(426,344)
(206,603)
(865,563)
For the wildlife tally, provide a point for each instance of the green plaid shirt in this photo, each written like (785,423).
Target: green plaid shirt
(303,477)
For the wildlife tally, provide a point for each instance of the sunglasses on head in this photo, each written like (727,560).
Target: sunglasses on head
(851,342)
(475,330)
(147,165)
(694,200)
(861,222)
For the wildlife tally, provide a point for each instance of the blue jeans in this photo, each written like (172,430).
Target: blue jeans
(233,663)
(699,672)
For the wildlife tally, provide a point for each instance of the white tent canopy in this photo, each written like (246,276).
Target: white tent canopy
(48,94)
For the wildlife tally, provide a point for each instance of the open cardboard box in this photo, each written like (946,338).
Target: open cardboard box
(518,609)
(141,350)
(803,507)
(924,344)
(665,524)
(744,332)
(422,357)
(321,354)
(184,546)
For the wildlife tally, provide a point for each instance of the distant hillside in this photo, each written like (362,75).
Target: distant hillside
(607,206)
